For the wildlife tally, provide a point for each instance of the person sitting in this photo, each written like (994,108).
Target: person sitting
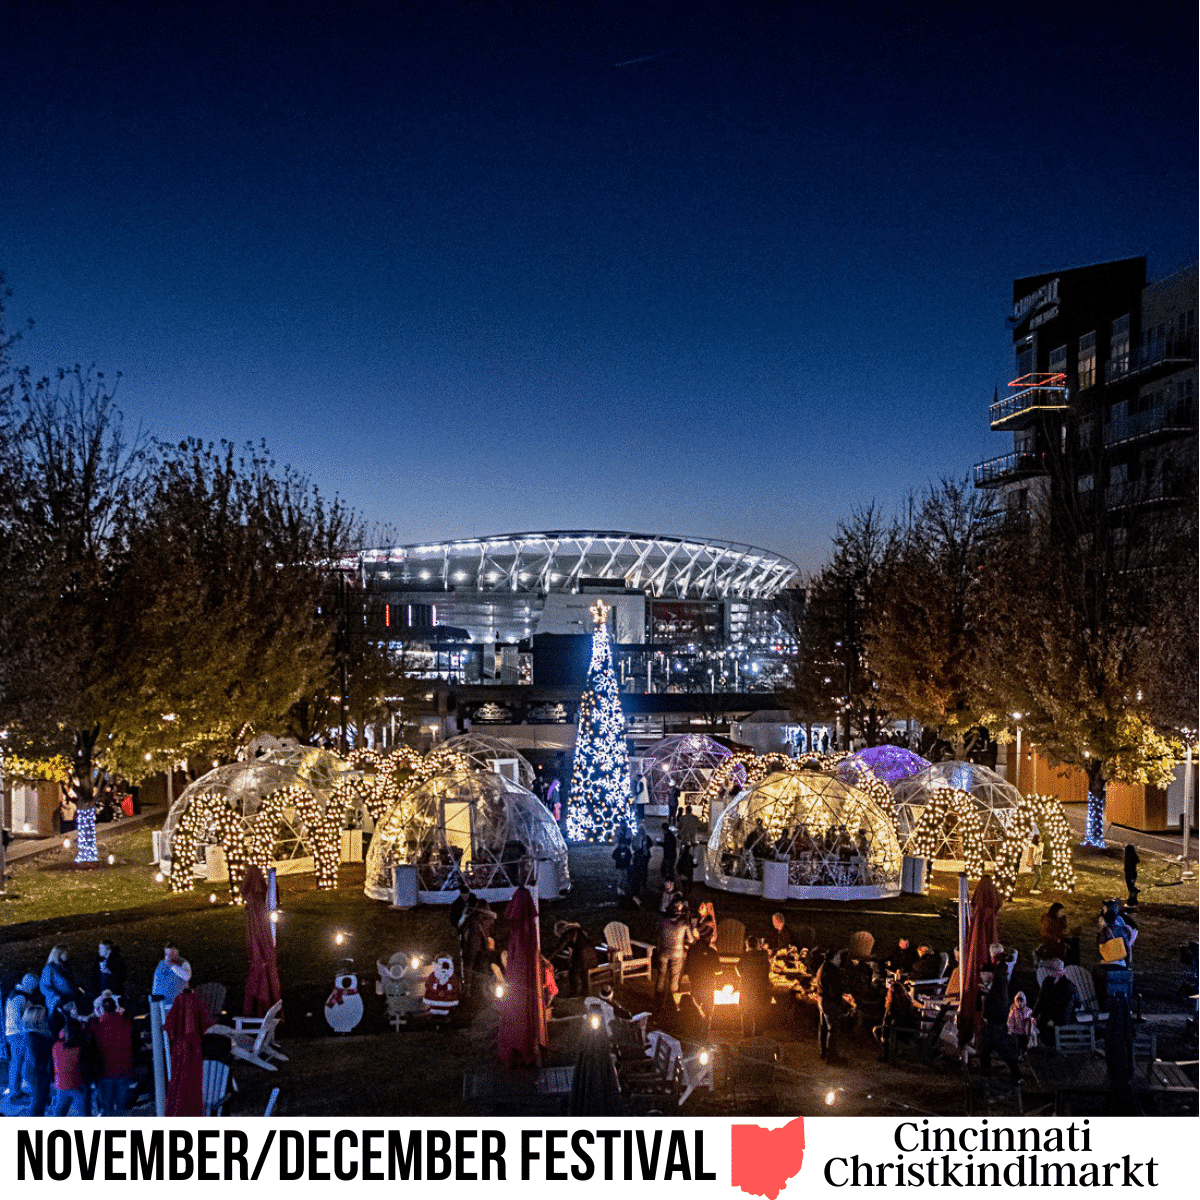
(925,965)
(902,958)
(779,936)
(1056,1003)
(1056,941)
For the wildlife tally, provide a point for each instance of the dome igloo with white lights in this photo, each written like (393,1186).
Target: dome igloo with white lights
(485,753)
(686,761)
(829,840)
(293,785)
(468,827)
(992,798)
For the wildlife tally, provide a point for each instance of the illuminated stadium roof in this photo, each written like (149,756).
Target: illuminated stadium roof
(557,560)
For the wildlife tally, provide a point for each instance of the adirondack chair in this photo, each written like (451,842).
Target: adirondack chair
(1085,989)
(731,940)
(218,1086)
(252,1039)
(1075,1039)
(629,958)
(212,997)
(935,985)
(694,1070)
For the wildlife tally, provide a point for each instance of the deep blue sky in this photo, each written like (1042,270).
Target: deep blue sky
(464,269)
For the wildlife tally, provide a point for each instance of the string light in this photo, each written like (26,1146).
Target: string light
(1045,813)
(931,836)
(85,836)
(599,803)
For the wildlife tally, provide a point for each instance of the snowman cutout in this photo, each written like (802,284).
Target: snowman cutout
(344,1008)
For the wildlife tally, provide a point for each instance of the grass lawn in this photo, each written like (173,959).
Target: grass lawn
(377,1071)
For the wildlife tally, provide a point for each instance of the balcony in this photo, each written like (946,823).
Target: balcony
(1036,394)
(1162,421)
(1009,467)
(1145,493)
(1152,359)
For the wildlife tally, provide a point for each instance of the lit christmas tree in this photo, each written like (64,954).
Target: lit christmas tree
(599,803)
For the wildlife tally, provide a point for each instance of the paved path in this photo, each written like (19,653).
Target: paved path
(1167,844)
(21,848)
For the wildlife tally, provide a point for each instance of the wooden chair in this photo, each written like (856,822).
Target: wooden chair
(212,997)
(731,940)
(218,1086)
(252,1039)
(694,1070)
(751,1074)
(628,958)
(935,985)
(1085,989)
(1075,1039)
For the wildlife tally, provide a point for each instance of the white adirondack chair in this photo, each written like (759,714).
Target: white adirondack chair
(218,1086)
(252,1039)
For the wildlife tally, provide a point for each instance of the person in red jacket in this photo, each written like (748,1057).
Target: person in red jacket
(72,1092)
(113,1032)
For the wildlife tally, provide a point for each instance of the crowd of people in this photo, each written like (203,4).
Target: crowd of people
(72,1046)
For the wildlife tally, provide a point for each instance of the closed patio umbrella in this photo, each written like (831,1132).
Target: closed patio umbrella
(185,1027)
(522,1034)
(262,969)
(981,933)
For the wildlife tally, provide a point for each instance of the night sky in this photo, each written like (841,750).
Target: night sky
(727,270)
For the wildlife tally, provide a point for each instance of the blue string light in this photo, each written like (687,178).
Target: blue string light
(85,836)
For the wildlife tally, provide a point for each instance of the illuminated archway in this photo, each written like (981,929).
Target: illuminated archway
(950,828)
(1043,813)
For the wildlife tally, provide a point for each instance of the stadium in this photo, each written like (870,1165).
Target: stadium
(476,606)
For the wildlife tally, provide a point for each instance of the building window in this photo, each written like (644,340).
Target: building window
(1084,483)
(1087,433)
(1026,356)
(1058,360)
(1119,345)
(1087,360)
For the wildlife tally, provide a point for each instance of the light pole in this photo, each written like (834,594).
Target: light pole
(1017,773)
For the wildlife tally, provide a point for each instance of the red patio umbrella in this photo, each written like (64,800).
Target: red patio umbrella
(262,972)
(185,1026)
(981,933)
(522,1035)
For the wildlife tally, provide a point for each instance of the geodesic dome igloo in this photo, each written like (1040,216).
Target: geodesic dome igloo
(484,753)
(224,809)
(889,763)
(472,827)
(835,841)
(994,799)
(686,761)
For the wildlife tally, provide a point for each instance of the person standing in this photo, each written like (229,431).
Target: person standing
(1056,1002)
(14,1033)
(72,1093)
(670,850)
(39,1044)
(993,1002)
(113,1033)
(1131,874)
(110,969)
(57,984)
(674,937)
(622,859)
(685,870)
(754,968)
(833,1003)
(639,869)
(171,976)
(688,827)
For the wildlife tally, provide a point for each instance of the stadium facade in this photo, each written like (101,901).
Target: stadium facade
(513,609)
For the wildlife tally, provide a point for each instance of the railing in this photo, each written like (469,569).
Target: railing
(1008,466)
(1159,491)
(1160,352)
(1178,418)
(1027,401)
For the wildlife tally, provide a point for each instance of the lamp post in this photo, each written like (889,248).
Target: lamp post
(1187,796)
(1017,774)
